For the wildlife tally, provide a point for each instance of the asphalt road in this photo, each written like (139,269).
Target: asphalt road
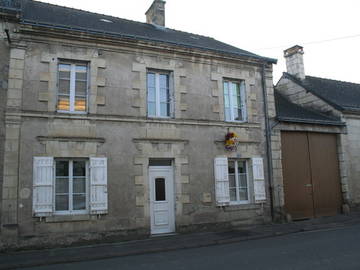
(330,249)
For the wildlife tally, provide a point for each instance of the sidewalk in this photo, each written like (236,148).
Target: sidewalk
(168,243)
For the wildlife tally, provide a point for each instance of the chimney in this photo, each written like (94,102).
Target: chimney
(156,13)
(295,61)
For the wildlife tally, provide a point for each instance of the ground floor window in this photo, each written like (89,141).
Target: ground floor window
(238,181)
(71,183)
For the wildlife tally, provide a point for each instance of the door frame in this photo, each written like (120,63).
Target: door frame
(170,195)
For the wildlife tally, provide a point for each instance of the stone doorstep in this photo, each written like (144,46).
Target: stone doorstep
(161,244)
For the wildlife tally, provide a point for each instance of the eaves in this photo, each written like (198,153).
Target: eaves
(109,37)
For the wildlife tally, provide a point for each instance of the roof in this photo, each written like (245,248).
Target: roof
(344,96)
(286,111)
(53,16)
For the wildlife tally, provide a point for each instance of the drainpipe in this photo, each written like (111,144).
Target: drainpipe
(8,35)
(268,140)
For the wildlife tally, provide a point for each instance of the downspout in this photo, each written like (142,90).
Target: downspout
(8,35)
(268,140)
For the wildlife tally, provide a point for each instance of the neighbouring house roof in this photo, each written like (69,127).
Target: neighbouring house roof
(286,111)
(344,96)
(58,17)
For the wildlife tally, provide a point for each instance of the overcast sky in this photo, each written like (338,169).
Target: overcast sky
(329,30)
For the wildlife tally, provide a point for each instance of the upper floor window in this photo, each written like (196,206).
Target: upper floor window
(235,101)
(159,95)
(72,87)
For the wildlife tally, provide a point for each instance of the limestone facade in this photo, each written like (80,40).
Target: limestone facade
(116,126)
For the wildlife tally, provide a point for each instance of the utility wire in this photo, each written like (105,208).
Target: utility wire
(313,42)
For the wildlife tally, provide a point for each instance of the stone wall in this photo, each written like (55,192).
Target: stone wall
(117,127)
(352,157)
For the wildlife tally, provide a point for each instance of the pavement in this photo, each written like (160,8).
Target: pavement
(31,258)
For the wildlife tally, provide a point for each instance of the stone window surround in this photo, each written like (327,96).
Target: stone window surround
(95,81)
(218,93)
(141,67)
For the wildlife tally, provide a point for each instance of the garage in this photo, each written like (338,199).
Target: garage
(311,175)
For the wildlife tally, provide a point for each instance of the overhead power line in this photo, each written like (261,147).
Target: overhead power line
(312,42)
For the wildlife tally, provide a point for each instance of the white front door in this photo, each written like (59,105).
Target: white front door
(162,199)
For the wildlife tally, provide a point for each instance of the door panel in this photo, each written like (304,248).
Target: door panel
(161,200)
(325,174)
(297,175)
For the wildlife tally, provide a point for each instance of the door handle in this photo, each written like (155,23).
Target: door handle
(308,185)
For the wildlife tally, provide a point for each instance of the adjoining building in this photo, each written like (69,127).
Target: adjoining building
(320,133)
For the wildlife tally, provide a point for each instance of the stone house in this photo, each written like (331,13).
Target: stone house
(117,128)
(321,170)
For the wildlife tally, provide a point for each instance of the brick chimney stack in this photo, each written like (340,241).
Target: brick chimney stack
(295,61)
(156,13)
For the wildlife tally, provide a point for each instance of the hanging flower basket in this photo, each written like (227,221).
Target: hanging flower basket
(231,141)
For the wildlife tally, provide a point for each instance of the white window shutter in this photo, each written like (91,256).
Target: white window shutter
(43,186)
(221,181)
(98,186)
(259,179)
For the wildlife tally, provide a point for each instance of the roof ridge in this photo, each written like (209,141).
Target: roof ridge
(358,84)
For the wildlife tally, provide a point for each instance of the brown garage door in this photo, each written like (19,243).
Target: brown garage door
(311,174)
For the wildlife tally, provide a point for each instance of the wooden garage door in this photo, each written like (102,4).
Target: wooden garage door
(311,174)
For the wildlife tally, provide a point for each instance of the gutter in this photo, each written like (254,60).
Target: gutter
(313,121)
(268,141)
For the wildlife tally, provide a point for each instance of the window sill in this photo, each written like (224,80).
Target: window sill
(240,207)
(235,121)
(68,112)
(68,218)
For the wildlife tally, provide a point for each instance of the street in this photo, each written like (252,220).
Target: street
(328,249)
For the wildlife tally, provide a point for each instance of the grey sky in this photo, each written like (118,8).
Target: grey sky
(266,27)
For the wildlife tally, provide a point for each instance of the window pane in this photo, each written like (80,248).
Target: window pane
(63,103)
(160,189)
(226,88)
(241,166)
(79,168)
(227,101)
(62,203)
(238,114)
(79,185)
(243,180)
(151,94)
(80,88)
(164,81)
(164,109)
(151,80)
(243,194)
(64,87)
(231,167)
(62,168)
(64,75)
(232,182)
(62,185)
(79,202)
(232,194)
(80,104)
(64,67)
(164,95)
(151,108)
